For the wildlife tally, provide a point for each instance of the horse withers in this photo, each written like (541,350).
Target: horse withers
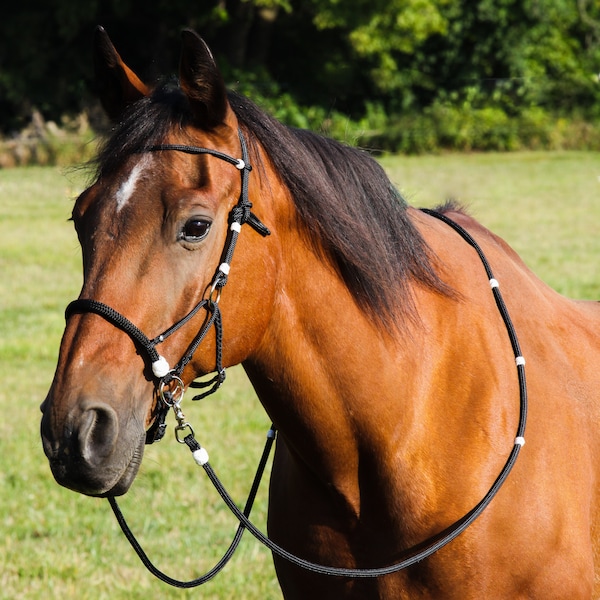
(367,328)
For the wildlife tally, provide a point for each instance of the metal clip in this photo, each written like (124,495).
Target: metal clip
(180,430)
(171,393)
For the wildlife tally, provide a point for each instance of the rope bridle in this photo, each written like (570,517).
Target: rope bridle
(171,388)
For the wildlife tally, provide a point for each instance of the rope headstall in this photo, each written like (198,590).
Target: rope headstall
(170,390)
(418,553)
(170,387)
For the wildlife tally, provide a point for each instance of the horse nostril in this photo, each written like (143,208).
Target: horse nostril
(98,431)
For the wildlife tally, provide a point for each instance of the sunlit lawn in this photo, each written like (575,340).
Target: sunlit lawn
(57,544)
(546,205)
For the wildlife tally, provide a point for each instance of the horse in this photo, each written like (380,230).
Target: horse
(367,328)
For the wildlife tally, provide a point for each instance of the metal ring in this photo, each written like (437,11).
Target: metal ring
(215,286)
(176,395)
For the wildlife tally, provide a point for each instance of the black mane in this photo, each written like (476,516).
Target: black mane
(344,198)
(352,210)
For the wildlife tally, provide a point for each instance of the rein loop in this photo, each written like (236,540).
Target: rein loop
(414,555)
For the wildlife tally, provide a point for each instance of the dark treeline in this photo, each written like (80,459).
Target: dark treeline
(398,74)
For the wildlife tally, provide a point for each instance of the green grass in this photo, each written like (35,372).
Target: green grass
(546,205)
(57,544)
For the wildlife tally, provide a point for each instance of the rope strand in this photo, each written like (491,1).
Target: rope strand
(416,554)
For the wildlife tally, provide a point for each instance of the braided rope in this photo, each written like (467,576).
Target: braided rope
(426,548)
(117,319)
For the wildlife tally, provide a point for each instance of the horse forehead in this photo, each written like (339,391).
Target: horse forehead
(128,185)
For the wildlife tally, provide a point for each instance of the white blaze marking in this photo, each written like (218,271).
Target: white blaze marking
(127,188)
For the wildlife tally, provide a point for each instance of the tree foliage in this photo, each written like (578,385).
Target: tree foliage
(357,57)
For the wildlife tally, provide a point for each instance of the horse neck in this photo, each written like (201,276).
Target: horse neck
(344,392)
(318,369)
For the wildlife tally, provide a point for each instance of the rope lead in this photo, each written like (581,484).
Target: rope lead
(414,556)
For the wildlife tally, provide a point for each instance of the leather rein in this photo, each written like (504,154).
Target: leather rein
(171,388)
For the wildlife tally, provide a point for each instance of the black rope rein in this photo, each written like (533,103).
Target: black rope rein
(415,555)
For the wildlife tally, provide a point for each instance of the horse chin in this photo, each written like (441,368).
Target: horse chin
(103,481)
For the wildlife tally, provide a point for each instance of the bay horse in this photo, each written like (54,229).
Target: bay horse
(367,328)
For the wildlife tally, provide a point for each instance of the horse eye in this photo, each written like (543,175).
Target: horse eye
(195,230)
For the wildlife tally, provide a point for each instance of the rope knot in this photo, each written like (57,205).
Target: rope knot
(241,213)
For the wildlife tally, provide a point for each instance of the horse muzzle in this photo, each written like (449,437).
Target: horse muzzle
(89,450)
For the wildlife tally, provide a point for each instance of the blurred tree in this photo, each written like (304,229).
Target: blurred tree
(403,55)
(248,27)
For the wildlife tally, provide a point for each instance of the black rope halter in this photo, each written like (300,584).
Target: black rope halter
(414,555)
(240,214)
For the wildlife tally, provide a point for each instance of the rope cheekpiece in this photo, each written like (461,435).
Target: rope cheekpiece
(162,371)
(416,555)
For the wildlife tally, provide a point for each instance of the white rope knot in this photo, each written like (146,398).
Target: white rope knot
(494,283)
(200,456)
(520,360)
(160,367)
(235,226)
(519,441)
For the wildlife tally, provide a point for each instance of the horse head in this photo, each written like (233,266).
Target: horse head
(152,228)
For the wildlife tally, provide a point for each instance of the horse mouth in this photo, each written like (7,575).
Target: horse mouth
(124,482)
(100,480)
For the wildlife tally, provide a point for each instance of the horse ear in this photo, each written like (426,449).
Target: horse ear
(118,86)
(201,81)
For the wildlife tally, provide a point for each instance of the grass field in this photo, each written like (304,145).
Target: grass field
(57,544)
